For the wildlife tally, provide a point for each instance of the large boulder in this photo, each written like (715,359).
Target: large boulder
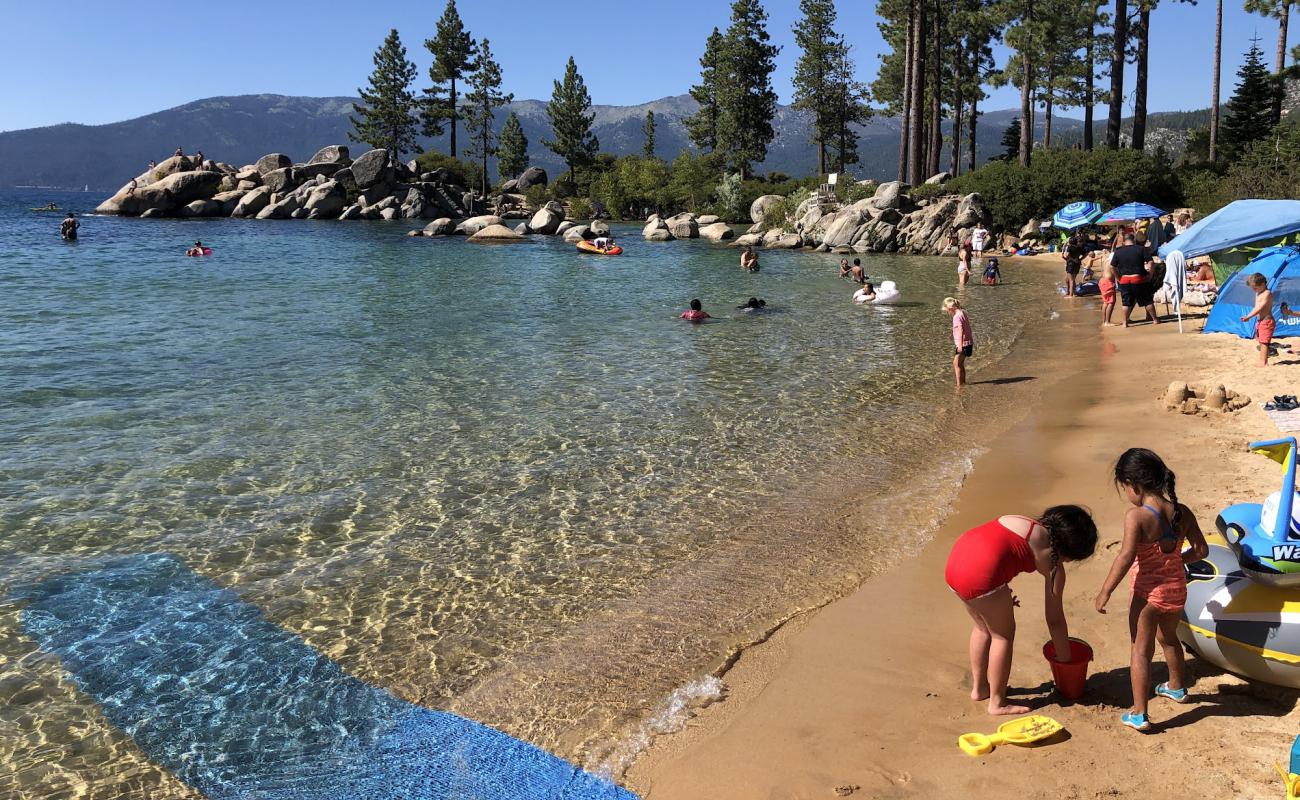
(928,228)
(227,201)
(162,196)
(839,229)
(547,219)
(759,208)
(717,232)
(659,235)
(200,208)
(599,227)
(307,171)
(577,233)
(564,226)
(889,195)
(372,169)
(271,162)
(748,240)
(351,212)
(497,234)
(439,227)
(249,174)
(938,180)
(390,214)
(655,224)
(787,241)
(281,180)
(971,211)
(250,204)
(326,201)
(707,219)
(533,176)
(683,226)
(282,209)
(509,187)
(332,154)
(473,225)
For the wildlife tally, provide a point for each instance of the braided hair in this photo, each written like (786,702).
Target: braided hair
(1143,470)
(1071,533)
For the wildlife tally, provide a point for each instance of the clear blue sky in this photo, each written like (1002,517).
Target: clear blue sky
(96,62)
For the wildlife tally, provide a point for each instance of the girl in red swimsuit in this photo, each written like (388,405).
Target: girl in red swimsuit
(980,567)
(1154,531)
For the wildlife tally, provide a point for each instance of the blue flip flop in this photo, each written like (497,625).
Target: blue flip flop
(1177,695)
(1137,722)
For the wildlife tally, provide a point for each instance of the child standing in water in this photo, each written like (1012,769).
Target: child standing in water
(980,568)
(1265,325)
(1154,530)
(963,339)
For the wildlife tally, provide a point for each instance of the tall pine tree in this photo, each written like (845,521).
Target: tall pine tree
(481,102)
(814,92)
(512,148)
(702,126)
(848,108)
(570,114)
(746,101)
(453,58)
(1250,111)
(386,116)
(648,128)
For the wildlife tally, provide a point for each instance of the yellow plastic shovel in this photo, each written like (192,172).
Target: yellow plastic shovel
(1292,782)
(1017,731)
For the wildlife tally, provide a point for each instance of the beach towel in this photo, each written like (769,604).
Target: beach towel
(1286,421)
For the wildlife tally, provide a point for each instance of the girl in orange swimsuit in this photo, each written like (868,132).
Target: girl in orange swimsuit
(1154,531)
(980,567)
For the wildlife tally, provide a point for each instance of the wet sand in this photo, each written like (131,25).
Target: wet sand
(866,697)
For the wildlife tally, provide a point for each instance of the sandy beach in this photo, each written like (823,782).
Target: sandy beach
(866,697)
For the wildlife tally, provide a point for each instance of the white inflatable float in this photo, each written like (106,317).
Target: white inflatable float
(886,294)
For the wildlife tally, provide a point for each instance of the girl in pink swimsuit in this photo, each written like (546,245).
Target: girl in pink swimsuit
(980,567)
(1154,531)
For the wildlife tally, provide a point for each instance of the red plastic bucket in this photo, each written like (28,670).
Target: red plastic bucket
(1070,677)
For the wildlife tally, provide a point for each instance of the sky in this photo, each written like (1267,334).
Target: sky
(95,62)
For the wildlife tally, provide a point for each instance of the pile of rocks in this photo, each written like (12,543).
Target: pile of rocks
(888,221)
(330,185)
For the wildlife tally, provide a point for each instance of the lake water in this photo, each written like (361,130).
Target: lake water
(501,480)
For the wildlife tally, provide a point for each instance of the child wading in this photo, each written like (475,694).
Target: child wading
(980,568)
(1154,530)
(963,339)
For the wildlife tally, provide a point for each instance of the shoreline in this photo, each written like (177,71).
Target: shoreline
(846,701)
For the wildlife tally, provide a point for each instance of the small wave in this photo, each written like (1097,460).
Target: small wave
(670,716)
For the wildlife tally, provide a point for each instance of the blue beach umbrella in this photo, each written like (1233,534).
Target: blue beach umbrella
(1130,212)
(1076,215)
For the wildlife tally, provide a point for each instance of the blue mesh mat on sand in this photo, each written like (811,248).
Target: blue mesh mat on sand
(243,710)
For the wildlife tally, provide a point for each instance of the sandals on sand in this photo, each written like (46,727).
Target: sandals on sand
(1282,402)
(1137,722)
(1177,695)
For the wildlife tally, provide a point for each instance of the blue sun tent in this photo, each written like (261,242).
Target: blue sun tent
(1281,266)
(1239,223)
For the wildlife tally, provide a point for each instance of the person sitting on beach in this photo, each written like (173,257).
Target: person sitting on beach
(980,567)
(992,274)
(1203,274)
(856,273)
(196,250)
(844,267)
(749,260)
(1154,530)
(1265,325)
(753,304)
(68,230)
(696,312)
(866,294)
(963,339)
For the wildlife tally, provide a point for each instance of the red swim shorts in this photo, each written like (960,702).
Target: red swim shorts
(1264,330)
(1107,291)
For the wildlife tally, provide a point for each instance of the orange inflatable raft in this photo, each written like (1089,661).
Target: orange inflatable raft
(589,247)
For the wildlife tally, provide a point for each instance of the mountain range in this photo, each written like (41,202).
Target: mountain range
(238,130)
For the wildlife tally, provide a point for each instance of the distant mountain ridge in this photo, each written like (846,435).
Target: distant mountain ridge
(240,129)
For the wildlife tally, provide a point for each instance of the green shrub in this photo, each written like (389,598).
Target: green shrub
(537,195)
(579,209)
(927,191)
(463,172)
(730,198)
(1056,178)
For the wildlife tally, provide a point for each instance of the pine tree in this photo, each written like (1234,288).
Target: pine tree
(386,116)
(570,114)
(648,128)
(1011,142)
(512,148)
(1119,45)
(848,105)
(1250,111)
(820,48)
(453,58)
(702,126)
(1281,11)
(746,101)
(481,102)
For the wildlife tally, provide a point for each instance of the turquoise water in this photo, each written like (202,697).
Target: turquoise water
(504,480)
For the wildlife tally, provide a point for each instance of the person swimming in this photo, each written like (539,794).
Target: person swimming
(68,230)
(749,260)
(753,304)
(696,313)
(196,250)
(866,294)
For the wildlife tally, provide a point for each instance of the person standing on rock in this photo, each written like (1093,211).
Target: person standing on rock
(68,230)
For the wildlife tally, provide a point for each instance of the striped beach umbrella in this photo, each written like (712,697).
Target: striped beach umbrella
(1130,212)
(1076,215)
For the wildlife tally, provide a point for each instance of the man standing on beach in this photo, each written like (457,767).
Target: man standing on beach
(977,239)
(1129,264)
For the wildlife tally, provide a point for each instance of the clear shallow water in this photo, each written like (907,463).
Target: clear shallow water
(499,479)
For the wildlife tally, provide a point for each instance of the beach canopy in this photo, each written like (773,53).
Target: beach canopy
(1129,212)
(1076,215)
(1236,224)
(1281,266)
